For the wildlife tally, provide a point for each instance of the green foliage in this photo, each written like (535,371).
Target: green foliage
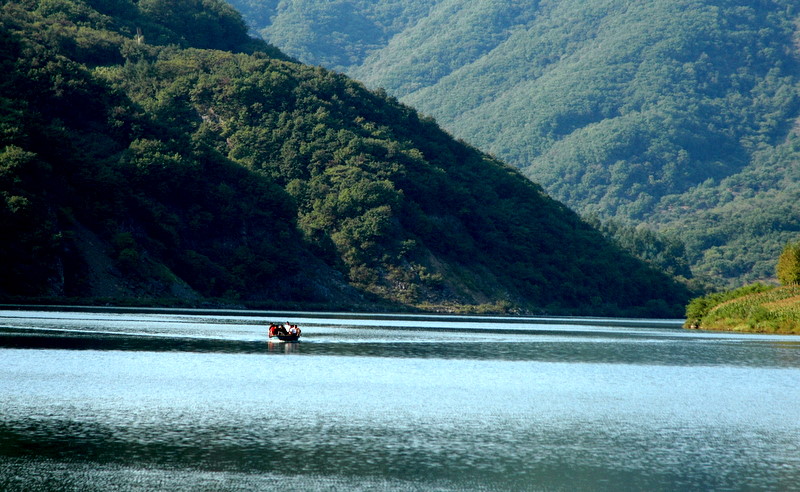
(756,308)
(700,307)
(670,113)
(199,23)
(788,267)
(336,33)
(664,252)
(230,173)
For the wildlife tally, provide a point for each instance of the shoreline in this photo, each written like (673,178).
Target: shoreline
(322,314)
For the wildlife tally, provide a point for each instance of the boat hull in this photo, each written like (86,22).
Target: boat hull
(286,338)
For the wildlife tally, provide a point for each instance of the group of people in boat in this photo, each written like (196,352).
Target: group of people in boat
(283,330)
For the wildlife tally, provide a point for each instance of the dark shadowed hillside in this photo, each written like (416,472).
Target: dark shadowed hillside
(152,149)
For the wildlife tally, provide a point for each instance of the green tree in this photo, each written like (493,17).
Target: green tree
(788,268)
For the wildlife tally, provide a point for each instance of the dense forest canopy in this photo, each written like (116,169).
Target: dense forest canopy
(151,149)
(679,115)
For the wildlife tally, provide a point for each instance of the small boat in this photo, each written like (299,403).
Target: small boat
(287,332)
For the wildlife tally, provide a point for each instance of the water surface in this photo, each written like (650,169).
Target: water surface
(183,401)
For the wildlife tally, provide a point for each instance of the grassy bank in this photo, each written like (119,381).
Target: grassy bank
(756,308)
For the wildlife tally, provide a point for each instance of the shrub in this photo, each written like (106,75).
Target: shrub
(788,267)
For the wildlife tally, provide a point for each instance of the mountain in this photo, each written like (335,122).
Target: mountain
(679,116)
(152,150)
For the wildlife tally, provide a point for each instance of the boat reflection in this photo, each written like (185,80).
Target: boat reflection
(285,347)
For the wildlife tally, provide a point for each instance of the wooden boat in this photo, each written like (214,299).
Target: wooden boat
(282,333)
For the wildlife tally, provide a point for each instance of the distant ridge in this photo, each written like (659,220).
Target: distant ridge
(677,116)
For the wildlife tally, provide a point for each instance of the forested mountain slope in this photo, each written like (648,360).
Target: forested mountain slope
(677,114)
(151,149)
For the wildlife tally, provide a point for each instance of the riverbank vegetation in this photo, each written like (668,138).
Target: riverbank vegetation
(754,308)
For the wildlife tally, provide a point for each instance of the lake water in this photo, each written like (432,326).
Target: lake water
(191,401)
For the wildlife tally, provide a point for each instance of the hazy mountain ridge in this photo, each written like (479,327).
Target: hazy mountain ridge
(625,110)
